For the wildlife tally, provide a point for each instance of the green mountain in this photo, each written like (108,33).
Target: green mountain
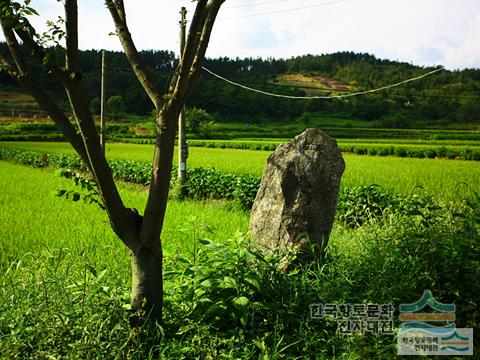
(446,97)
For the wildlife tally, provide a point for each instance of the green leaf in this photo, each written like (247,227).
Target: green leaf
(240,302)
(101,274)
(183,260)
(168,274)
(76,196)
(217,308)
(31,11)
(60,193)
(210,283)
(48,59)
(229,283)
(253,280)
(244,320)
(204,300)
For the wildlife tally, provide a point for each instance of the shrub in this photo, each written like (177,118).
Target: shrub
(437,248)
(430,153)
(230,284)
(361,204)
(442,151)
(359,151)
(383,152)
(199,122)
(246,190)
(400,151)
(469,154)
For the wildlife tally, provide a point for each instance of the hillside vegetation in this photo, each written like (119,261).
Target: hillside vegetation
(448,98)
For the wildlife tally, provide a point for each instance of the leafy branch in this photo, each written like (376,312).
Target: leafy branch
(89,189)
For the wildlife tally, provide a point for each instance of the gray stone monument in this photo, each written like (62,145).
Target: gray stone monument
(295,206)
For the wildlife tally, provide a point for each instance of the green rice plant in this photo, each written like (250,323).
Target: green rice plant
(407,175)
(359,205)
(224,297)
(395,174)
(38,218)
(400,152)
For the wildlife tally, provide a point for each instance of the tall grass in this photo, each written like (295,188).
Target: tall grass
(64,279)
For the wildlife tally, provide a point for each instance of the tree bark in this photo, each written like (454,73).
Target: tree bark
(147,284)
(161,171)
(146,258)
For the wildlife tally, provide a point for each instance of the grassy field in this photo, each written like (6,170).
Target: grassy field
(449,178)
(15,99)
(63,273)
(129,126)
(35,210)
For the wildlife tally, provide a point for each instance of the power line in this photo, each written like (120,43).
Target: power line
(322,97)
(285,10)
(255,4)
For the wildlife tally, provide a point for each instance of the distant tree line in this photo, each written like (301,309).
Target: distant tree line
(446,97)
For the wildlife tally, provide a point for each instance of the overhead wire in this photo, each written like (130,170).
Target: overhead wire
(322,96)
(395,94)
(285,10)
(255,4)
(392,94)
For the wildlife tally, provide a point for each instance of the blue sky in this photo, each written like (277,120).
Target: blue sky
(424,32)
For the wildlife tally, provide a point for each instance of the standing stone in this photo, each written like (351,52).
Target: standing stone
(295,205)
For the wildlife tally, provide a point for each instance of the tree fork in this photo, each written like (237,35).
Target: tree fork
(141,235)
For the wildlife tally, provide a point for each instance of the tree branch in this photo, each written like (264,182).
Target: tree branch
(14,47)
(121,10)
(88,145)
(186,73)
(118,15)
(71,26)
(22,76)
(185,85)
(123,221)
(8,68)
(193,38)
(40,53)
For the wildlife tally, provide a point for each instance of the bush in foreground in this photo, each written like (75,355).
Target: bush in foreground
(228,300)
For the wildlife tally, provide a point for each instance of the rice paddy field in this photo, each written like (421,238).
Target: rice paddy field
(29,195)
(449,178)
(65,277)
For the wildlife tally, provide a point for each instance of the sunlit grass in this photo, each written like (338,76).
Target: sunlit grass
(449,178)
(32,217)
(64,274)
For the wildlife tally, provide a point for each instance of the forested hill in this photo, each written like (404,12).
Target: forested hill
(442,98)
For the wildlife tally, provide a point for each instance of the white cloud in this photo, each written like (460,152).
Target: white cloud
(423,32)
(467,53)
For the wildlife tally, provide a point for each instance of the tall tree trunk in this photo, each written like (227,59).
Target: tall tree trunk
(146,255)
(147,284)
